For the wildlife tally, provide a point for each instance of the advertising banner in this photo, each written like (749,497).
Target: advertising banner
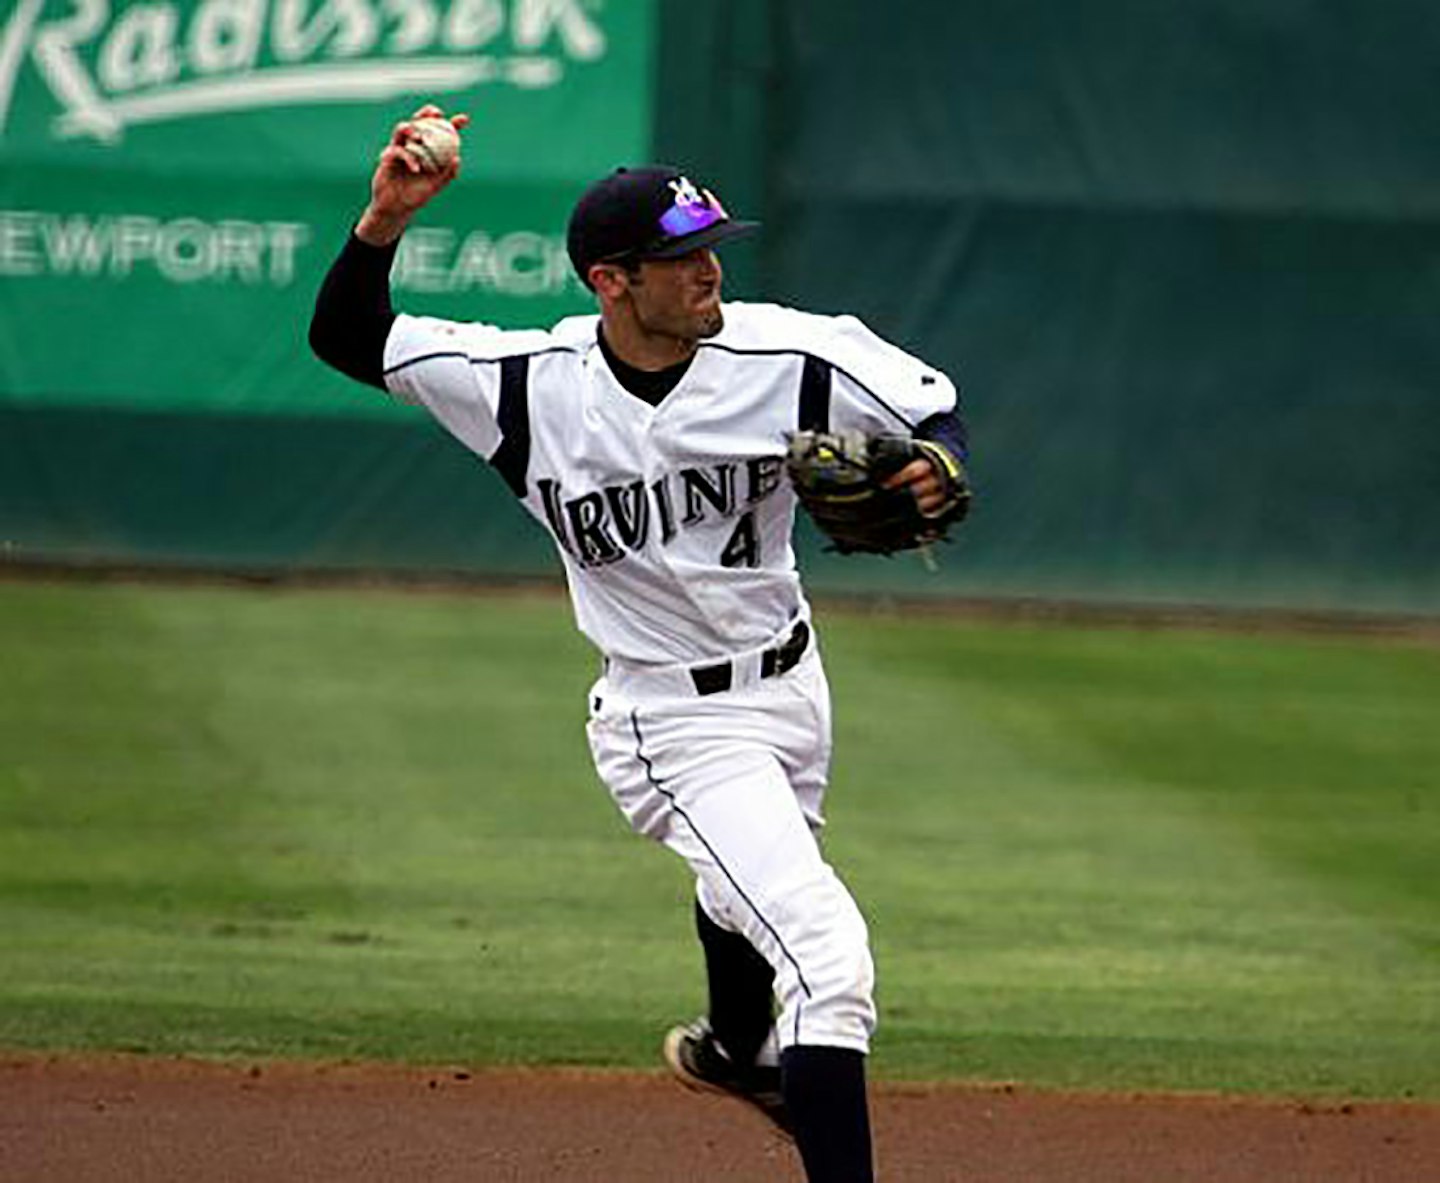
(176,175)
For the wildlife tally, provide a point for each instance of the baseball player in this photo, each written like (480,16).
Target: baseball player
(650,441)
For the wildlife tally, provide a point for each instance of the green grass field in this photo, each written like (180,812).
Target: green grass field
(364,824)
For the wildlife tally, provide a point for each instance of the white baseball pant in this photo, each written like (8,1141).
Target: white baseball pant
(733,782)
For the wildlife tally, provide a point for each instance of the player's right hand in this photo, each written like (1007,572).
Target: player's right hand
(401,184)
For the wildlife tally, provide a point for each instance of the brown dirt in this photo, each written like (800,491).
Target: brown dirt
(124,1118)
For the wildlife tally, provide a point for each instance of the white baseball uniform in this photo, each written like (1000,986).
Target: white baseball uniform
(711,723)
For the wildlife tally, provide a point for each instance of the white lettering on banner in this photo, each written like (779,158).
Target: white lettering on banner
(140,50)
(521,263)
(180,250)
(154,62)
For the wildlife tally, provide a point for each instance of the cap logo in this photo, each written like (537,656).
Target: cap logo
(693,209)
(685,192)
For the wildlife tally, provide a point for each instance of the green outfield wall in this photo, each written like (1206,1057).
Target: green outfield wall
(1183,262)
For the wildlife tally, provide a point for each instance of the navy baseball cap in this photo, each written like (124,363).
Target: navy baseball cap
(653,212)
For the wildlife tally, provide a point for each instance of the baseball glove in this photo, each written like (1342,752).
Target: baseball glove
(839,478)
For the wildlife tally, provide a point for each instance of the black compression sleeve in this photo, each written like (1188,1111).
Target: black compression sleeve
(947,429)
(353,314)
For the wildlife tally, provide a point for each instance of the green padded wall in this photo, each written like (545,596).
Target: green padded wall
(1183,261)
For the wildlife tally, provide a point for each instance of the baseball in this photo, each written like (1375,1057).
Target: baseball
(434,141)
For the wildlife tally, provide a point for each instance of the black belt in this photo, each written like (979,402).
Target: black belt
(714,679)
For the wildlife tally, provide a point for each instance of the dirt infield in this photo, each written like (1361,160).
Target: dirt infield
(122,1118)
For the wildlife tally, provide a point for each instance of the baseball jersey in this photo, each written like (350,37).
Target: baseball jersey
(673,521)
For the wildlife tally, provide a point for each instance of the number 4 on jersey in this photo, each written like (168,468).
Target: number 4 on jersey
(743,549)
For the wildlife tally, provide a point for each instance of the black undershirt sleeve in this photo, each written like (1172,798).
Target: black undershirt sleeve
(947,429)
(353,314)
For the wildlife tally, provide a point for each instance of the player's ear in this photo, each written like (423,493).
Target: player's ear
(607,279)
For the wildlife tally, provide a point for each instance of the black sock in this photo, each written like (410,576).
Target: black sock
(741,990)
(825,1094)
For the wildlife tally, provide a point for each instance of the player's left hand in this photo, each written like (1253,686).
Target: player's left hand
(876,494)
(927,484)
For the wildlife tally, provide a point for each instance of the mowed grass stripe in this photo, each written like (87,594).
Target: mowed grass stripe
(364,824)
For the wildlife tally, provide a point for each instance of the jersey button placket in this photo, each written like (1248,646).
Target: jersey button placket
(656,465)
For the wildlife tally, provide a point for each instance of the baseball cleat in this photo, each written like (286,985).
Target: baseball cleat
(698,1063)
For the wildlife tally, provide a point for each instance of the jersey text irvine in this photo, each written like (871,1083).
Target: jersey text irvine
(599,526)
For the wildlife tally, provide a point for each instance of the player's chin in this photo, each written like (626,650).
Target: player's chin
(709,322)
